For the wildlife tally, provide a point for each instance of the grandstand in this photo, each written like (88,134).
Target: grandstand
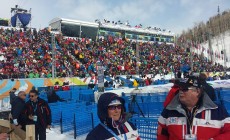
(82,29)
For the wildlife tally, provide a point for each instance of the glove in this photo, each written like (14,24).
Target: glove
(15,122)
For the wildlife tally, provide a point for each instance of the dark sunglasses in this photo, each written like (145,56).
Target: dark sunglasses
(185,89)
(113,107)
(32,96)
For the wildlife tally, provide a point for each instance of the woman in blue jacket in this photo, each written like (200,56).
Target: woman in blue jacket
(114,124)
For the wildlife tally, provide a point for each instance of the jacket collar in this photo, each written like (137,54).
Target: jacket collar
(206,103)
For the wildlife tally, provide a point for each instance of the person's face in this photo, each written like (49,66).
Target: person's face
(114,112)
(188,96)
(33,97)
(22,95)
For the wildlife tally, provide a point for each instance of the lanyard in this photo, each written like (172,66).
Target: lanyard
(190,116)
(112,132)
(34,107)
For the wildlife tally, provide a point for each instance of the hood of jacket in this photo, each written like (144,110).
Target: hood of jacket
(104,101)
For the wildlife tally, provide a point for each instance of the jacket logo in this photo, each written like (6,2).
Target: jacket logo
(173,120)
(133,136)
(208,123)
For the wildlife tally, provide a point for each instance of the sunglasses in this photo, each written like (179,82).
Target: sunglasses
(114,107)
(185,89)
(32,96)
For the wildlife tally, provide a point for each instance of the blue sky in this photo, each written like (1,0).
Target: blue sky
(174,15)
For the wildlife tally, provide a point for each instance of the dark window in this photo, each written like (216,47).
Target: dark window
(102,33)
(128,36)
(4,22)
(146,38)
(157,39)
(72,30)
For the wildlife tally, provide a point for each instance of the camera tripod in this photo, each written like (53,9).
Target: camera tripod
(132,104)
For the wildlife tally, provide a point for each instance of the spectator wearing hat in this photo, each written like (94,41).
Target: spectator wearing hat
(193,115)
(114,124)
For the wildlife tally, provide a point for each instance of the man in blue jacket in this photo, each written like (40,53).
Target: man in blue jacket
(17,106)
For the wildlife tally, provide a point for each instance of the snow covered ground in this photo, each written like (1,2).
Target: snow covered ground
(54,134)
(218,43)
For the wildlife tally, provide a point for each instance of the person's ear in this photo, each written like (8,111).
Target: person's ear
(198,92)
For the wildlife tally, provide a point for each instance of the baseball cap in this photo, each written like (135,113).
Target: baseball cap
(191,81)
(115,102)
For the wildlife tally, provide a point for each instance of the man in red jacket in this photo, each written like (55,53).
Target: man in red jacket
(37,112)
(193,115)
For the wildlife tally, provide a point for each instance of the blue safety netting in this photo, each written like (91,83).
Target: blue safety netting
(147,127)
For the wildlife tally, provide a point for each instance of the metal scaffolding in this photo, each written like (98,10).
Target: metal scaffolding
(53,56)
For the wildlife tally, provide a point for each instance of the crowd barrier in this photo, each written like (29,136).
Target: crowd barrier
(76,95)
(147,127)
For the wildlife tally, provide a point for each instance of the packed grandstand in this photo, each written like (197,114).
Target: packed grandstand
(28,54)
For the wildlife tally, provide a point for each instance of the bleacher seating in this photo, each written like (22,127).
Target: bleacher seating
(66,95)
(86,95)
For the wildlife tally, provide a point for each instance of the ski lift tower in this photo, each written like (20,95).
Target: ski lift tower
(20,17)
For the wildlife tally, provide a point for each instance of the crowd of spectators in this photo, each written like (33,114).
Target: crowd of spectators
(28,54)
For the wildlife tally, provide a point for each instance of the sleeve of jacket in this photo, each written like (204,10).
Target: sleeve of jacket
(25,114)
(12,97)
(48,114)
(90,137)
(162,131)
(225,130)
(17,111)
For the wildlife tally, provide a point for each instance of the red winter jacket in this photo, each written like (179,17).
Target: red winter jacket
(209,121)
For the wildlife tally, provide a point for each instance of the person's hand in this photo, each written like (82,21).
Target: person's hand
(48,127)
(31,117)
(15,122)
(3,136)
(19,126)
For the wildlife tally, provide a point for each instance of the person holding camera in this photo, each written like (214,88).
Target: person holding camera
(192,115)
(37,111)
